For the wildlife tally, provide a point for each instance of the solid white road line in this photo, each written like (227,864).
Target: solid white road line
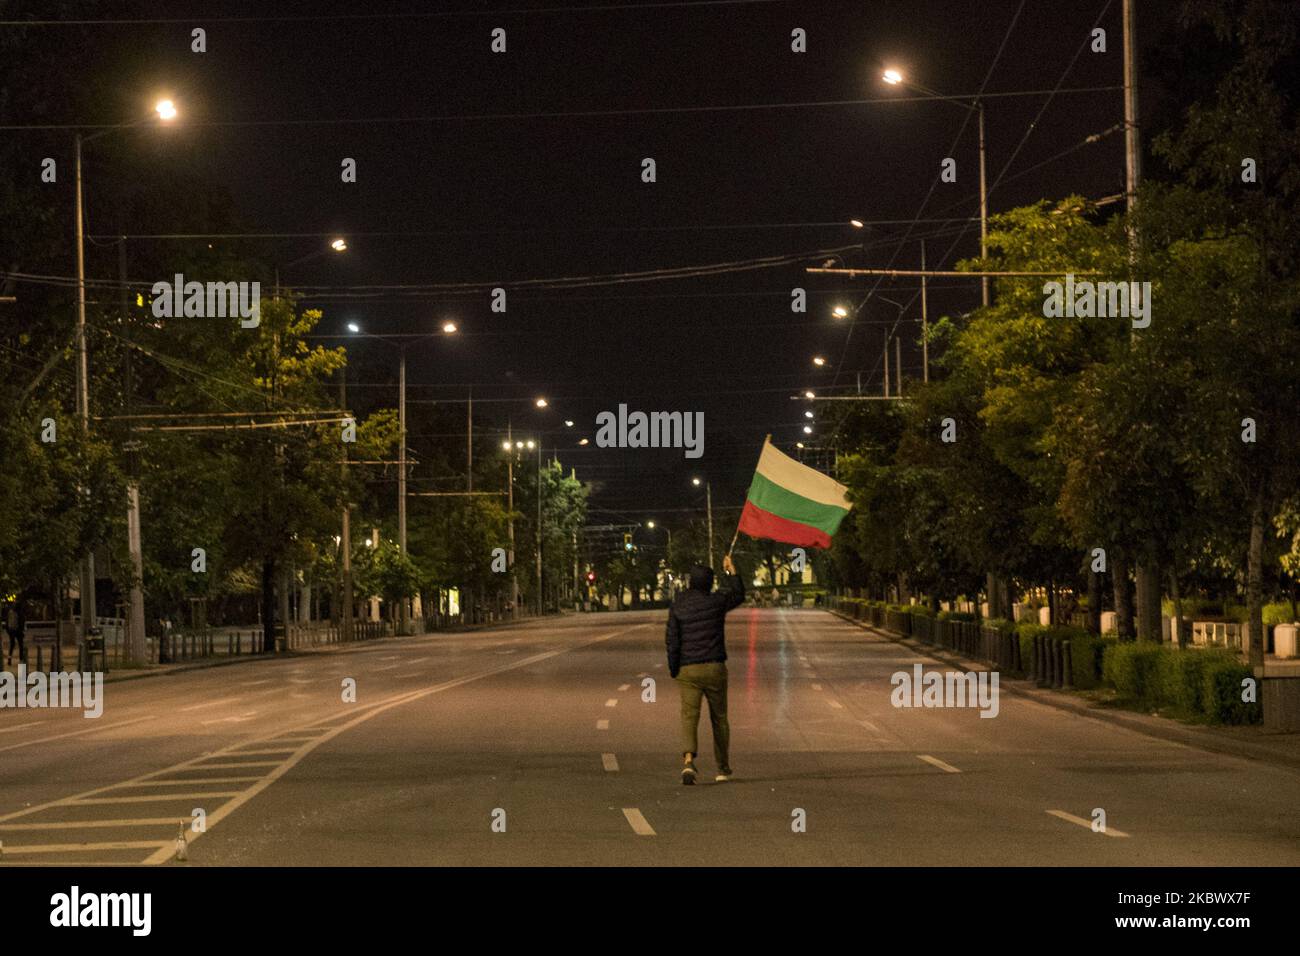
(30,723)
(936,762)
(151,797)
(94,824)
(612,702)
(76,733)
(1070,817)
(640,825)
(602,725)
(77,847)
(610,762)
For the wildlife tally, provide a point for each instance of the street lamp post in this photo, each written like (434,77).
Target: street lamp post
(166,111)
(448,328)
(708,505)
(895,78)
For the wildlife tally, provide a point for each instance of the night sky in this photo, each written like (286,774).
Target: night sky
(465,175)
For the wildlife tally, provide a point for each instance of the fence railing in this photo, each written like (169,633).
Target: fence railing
(967,638)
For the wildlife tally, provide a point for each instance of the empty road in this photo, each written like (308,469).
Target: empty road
(537,745)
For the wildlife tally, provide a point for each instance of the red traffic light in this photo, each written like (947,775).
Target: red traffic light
(591,576)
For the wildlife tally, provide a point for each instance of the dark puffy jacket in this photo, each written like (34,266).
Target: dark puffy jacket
(696,620)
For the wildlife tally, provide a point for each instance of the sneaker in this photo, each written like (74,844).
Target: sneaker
(723,775)
(688,774)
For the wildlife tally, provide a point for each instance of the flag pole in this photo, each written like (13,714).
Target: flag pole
(766,441)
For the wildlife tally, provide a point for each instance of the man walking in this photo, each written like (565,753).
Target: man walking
(697,655)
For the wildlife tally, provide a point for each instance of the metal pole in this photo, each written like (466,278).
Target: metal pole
(925,324)
(984,210)
(1132,154)
(510,509)
(708,503)
(83,410)
(136,647)
(540,605)
(469,443)
(345,537)
(898,365)
(886,363)
(403,613)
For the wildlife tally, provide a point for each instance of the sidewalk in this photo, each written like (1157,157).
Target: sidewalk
(1250,743)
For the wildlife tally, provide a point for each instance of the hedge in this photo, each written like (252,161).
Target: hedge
(1221,692)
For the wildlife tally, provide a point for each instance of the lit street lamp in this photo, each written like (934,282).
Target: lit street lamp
(166,111)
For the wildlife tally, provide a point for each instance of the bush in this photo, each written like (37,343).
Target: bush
(1131,669)
(1221,691)
(1180,676)
(968,616)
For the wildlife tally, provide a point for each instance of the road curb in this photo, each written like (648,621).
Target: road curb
(1161,728)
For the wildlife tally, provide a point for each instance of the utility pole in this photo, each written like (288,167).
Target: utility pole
(984,209)
(345,537)
(925,324)
(136,647)
(708,505)
(510,509)
(403,614)
(886,363)
(898,365)
(83,412)
(469,443)
(540,604)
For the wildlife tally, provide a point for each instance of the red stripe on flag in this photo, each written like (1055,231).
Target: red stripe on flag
(757,523)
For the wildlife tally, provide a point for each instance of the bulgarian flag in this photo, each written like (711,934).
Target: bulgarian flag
(792,503)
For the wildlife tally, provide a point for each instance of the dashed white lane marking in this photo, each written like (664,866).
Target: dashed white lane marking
(76,733)
(640,825)
(254,683)
(249,715)
(391,657)
(643,674)
(602,725)
(624,686)
(1109,831)
(836,704)
(377,669)
(936,762)
(207,704)
(609,762)
(816,686)
(612,702)
(418,660)
(30,723)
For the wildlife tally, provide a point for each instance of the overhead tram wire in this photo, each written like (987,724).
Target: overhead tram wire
(577,114)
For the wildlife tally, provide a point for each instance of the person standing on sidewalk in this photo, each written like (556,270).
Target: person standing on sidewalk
(697,660)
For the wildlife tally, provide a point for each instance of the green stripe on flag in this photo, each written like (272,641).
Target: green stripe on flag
(769,496)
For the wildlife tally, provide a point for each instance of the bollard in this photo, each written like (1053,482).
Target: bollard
(1042,662)
(1067,666)
(1056,662)
(40,658)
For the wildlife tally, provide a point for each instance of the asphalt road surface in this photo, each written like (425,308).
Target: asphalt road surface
(533,745)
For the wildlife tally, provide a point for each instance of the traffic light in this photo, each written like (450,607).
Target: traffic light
(591,577)
(627,541)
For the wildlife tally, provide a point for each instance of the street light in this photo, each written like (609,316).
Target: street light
(166,111)
(339,245)
(818,361)
(541,403)
(449,327)
(840,312)
(708,504)
(895,78)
